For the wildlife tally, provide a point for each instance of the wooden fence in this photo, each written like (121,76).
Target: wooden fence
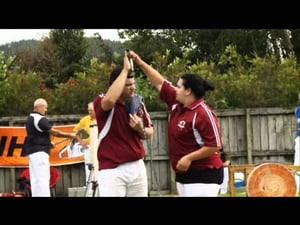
(250,136)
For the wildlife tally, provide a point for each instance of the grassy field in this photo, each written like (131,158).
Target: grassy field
(240,192)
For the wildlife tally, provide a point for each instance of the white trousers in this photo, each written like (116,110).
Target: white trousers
(39,171)
(126,180)
(198,190)
(89,175)
(87,161)
(224,185)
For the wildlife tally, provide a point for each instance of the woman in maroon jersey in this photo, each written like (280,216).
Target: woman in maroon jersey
(194,132)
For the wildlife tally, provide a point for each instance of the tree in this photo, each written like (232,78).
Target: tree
(295,41)
(5,64)
(108,53)
(71,46)
(207,44)
(49,65)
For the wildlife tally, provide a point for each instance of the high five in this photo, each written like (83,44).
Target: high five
(194,132)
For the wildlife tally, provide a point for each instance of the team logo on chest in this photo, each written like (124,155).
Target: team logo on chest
(181,124)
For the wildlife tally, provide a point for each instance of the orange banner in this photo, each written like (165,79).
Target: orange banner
(12,142)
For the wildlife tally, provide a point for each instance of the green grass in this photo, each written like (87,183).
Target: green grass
(239,192)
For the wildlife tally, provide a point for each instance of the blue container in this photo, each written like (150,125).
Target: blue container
(241,183)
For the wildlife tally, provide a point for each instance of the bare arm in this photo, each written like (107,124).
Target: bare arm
(153,75)
(226,163)
(59,133)
(116,88)
(184,163)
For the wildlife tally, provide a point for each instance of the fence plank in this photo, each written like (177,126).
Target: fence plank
(249,135)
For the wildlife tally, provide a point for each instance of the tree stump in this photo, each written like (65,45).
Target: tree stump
(271,180)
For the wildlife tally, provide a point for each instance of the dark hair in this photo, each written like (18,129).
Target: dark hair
(197,84)
(116,72)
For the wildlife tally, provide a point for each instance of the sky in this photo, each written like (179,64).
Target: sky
(13,35)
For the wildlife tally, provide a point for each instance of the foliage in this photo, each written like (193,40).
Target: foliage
(48,65)
(71,47)
(295,42)
(5,64)
(242,80)
(171,72)
(105,50)
(205,44)
(23,89)
(256,82)
(76,90)
(10,49)
(43,57)
(72,96)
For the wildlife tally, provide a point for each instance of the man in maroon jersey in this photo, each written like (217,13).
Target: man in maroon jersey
(194,132)
(122,171)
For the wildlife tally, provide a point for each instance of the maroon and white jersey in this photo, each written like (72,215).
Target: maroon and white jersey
(190,128)
(121,144)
